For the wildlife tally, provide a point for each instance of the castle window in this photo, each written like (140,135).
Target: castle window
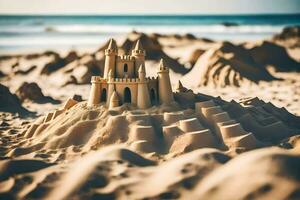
(127,95)
(103,95)
(125,67)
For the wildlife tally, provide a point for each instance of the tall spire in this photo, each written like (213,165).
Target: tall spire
(112,44)
(162,65)
(179,87)
(138,46)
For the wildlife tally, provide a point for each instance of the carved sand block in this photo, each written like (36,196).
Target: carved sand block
(29,133)
(232,130)
(40,129)
(142,146)
(139,117)
(189,125)
(48,117)
(69,103)
(278,129)
(171,132)
(146,133)
(247,141)
(113,121)
(193,140)
(209,112)
(268,120)
(203,104)
(57,113)
(219,118)
(172,117)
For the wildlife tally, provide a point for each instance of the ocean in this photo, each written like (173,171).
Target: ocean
(52,32)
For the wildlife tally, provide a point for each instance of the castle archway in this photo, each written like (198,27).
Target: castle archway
(152,96)
(103,95)
(127,95)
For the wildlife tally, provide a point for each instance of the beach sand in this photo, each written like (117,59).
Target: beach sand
(235,136)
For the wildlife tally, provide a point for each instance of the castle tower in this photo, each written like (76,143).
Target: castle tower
(143,98)
(164,84)
(111,87)
(110,57)
(114,100)
(139,54)
(94,92)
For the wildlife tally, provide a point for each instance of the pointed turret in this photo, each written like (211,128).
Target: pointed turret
(138,46)
(110,57)
(164,84)
(114,100)
(112,44)
(139,53)
(162,66)
(179,87)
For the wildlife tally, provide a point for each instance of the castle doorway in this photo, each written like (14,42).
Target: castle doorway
(127,95)
(103,95)
(152,96)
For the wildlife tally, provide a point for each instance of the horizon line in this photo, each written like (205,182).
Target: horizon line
(146,14)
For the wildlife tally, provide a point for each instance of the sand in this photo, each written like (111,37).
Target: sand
(232,133)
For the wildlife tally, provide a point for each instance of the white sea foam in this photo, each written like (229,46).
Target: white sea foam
(105,29)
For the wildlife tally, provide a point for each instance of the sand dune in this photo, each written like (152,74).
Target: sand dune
(10,102)
(279,59)
(227,64)
(199,147)
(289,37)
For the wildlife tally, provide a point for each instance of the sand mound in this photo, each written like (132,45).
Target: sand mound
(31,91)
(289,37)
(227,64)
(164,129)
(279,59)
(10,102)
(98,175)
(10,168)
(80,70)
(58,62)
(280,181)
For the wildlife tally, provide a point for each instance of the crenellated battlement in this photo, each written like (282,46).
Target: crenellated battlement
(134,51)
(152,78)
(124,80)
(97,79)
(110,51)
(125,58)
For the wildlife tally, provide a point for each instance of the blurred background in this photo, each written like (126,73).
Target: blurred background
(233,49)
(41,24)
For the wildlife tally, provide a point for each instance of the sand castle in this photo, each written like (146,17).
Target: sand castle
(124,80)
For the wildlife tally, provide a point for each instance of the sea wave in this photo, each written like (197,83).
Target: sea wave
(121,29)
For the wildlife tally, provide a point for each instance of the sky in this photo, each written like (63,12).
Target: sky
(104,7)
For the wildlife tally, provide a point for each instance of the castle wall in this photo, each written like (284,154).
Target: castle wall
(131,84)
(153,89)
(121,67)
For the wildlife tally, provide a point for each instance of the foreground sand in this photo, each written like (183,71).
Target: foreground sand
(235,149)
